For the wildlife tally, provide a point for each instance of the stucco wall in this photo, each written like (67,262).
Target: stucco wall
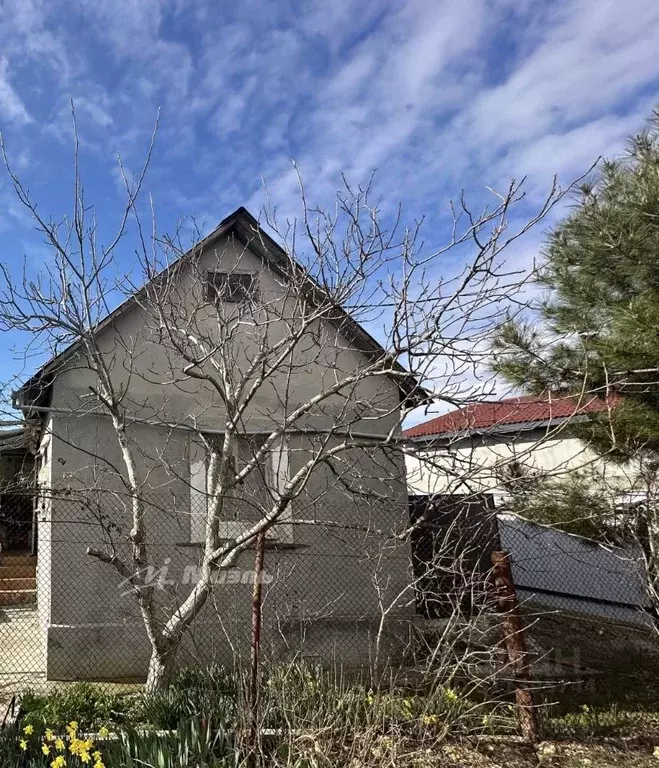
(327,589)
(159,389)
(323,599)
(475,464)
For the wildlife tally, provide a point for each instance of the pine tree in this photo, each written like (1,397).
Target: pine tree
(595,332)
(597,329)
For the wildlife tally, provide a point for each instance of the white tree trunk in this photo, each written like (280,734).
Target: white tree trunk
(161,667)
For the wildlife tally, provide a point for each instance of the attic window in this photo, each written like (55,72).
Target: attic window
(229,286)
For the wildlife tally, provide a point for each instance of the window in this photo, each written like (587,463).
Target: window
(230,286)
(276,473)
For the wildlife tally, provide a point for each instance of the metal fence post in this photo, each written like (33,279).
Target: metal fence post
(515,646)
(257,605)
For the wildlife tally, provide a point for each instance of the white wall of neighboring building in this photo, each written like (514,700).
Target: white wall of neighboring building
(476,463)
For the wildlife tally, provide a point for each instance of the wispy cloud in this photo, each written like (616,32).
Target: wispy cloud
(11,105)
(436,94)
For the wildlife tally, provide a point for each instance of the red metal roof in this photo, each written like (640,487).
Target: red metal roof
(513,410)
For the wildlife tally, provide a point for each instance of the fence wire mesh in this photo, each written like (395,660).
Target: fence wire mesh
(341,587)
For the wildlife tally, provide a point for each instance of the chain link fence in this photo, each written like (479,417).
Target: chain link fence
(357,585)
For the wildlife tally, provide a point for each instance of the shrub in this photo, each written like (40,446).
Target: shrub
(195,692)
(90,705)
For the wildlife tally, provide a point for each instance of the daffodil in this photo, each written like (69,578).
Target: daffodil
(28,730)
(85,757)
(99,764)
(58,762)
(45,749)
(430,719)
(59,744)
(23,744)
(49,735)
(103,732)
(97,756)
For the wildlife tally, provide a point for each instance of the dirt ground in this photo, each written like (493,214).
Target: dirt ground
(550,754)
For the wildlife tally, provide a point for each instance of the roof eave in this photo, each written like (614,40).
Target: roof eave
(497,429)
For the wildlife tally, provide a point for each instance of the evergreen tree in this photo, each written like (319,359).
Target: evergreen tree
(595,332)
(597,328)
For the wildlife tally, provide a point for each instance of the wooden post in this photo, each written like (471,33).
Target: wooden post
(515,645)
(257,603)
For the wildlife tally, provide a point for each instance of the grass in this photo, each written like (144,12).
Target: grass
(322,718)
(90,705)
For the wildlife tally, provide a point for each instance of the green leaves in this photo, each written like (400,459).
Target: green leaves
(597,329)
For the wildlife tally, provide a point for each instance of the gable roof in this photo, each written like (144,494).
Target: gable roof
(524,412)
(246,229)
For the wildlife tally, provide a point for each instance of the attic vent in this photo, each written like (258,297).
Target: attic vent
(230,286)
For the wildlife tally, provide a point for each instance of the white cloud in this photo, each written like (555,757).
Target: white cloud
(437,94)
(12,107)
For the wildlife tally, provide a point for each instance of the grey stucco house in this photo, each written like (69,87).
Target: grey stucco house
(327,587)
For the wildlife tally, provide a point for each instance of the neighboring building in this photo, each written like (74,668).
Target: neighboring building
(16,497)
(477,452)
(480,447)
(323,600)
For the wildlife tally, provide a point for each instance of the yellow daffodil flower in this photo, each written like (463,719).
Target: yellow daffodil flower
(45,749)
(23,744)
(49,735)
(59,744)
(28,730)
(103,732)
(58,762)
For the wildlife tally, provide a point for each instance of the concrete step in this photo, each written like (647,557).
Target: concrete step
(16,566)
(17,596)
(17,571)
(9,584)
(17,557)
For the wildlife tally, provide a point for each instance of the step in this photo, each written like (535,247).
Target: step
(17,596)
(17,571)
(16,557)
(8,584)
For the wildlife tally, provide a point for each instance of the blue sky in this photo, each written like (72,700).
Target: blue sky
(437,95)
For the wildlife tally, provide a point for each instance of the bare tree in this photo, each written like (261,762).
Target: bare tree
(293,350)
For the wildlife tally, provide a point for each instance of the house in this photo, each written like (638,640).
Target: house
(325,592)
(482,446)
(17,529)
(472,455)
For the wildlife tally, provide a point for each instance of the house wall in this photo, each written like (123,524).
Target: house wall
(474,464)
(44,477)
(159,390)
(326,595)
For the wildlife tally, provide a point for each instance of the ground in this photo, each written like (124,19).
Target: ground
(22,662)
(551,754)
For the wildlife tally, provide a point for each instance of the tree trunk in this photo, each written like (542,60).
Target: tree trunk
(161,666)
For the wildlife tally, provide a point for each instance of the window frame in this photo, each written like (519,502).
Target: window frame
(278,472)
(230,287)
